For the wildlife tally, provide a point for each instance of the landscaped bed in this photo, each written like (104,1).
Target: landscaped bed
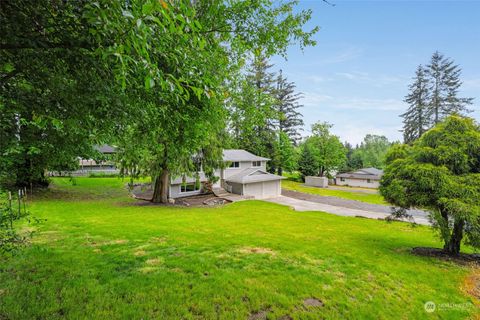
(97,256)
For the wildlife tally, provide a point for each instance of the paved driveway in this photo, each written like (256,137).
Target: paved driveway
(348,208)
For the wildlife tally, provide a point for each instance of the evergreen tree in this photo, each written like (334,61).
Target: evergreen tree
(253,115)
(415,119)
(306,163)
(289,119)
(444,77)
(285,157)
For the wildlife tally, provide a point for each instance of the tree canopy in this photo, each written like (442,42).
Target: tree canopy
(433,95)
(440,172)
(322,152)
(153,74)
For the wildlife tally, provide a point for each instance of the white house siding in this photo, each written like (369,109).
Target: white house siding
(228,172)
(236,188)
(358,183)
(174,192)
(262,190)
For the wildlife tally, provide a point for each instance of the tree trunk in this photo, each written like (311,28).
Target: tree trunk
(452,247)
(160,188)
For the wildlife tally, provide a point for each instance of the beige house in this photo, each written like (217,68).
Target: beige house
(366,178)
(245,175)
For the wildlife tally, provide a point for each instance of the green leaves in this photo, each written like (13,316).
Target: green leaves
(149,82)
(441,173)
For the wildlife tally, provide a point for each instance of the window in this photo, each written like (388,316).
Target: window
(256,163)
(342,179)
(235,164)
(369,181)
(189,187)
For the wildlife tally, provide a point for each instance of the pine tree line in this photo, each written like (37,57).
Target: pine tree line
(264,115)
(432,96)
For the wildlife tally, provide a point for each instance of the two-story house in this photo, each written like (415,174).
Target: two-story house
(245,174)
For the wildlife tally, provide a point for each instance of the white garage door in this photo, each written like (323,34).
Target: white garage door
(261,190)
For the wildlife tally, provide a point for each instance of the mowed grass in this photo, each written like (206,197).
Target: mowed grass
(100,256)
(352,194)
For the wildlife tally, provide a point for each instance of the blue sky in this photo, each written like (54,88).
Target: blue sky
(357,75)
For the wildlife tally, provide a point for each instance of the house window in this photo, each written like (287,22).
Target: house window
(256,163)
(189,187)
(235,164)
(369,181)
(342,179)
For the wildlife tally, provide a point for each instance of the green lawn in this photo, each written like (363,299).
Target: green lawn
(99,256)
(353,194)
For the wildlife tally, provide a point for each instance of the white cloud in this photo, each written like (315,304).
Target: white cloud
(351,103)
(375,80)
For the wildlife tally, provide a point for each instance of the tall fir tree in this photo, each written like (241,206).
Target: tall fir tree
(416,119)
(444,77)
(287,105)
(253,115)
(433,95)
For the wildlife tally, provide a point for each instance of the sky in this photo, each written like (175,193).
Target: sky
(357,75)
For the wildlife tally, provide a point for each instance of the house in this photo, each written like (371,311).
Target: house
(366,177)
(90,166)
(245,174)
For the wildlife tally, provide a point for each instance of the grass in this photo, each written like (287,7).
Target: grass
(374,198)
(100,256)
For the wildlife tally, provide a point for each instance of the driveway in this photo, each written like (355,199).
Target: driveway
(342,207)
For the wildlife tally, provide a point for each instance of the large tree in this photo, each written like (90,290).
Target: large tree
(285,156)
(287,105)
(56,98)
(372,151)
(252,113)
(444,78)
(416,119)
(176,61)
(323,151)
(440,172)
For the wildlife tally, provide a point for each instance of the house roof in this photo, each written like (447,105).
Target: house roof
(364,173)
(241,155)
(252,175)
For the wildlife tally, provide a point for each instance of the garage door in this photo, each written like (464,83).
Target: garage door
(260,190)
(271,189)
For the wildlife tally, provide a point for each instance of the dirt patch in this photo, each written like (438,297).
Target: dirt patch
(148,269)
(312,302)
(153,262)
(471,284)
(139,253)
(260,315)
(158,239)
(462,258)
(257,250)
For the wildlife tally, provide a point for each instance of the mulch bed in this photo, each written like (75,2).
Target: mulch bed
(462,258)
(144,192)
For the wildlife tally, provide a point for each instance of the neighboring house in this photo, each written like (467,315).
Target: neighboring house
(366,177)
(91,166)
(245,174)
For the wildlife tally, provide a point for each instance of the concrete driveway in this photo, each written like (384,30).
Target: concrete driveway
(303,205)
